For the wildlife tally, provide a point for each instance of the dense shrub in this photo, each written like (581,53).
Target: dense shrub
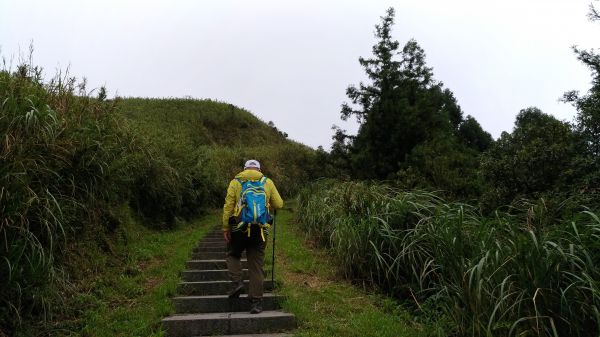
(505,275)
(61,168)
(538,156)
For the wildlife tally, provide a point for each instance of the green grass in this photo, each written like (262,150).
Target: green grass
(198,122)
(212,140)
(324,303)
(65,162)
(130,299)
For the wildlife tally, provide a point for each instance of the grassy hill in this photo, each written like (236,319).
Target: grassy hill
(198,122)
(220,137)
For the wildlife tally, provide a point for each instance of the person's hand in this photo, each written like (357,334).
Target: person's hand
(227,236)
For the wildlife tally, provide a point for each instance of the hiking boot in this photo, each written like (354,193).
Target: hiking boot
(236,289)
(256,306)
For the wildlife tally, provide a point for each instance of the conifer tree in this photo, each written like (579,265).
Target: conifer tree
(401,107)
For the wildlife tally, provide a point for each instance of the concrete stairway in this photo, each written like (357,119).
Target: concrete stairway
(203,308)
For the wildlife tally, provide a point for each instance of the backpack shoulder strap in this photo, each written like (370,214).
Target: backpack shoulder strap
(239,203)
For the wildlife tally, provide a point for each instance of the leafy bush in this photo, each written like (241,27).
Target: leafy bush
(444,165)
(538,156)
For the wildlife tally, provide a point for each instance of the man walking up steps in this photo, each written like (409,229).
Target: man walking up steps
(246,222)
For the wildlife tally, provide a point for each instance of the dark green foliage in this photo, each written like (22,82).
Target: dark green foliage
(411,127)
(472,135)
(452,109)
(537,157)
(519,274)
(395,110)
(444,164)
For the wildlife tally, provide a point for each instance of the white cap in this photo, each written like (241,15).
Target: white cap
(252,163)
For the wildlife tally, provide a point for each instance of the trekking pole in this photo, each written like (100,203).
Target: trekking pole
(273,260)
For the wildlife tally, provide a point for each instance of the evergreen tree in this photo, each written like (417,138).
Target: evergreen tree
(452,109)
(411,128)
(473,136)
(401,107)
(376,104)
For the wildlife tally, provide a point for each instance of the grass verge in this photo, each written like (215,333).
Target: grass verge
(130,299)
(325,304)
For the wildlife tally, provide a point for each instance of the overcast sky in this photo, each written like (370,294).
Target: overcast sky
(290,61)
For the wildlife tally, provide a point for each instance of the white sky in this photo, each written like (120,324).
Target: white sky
(291,61)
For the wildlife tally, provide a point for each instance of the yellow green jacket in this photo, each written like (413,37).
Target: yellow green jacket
(235,190)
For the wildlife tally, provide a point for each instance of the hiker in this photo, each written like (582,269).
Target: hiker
(246,221)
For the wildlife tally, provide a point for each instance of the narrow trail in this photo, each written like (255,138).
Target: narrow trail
(203,308)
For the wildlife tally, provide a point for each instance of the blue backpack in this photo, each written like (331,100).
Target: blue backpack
(253,202)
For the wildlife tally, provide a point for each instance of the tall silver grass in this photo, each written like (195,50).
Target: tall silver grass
(59,166)
(505,275)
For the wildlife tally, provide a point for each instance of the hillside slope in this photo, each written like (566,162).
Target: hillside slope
(219,137)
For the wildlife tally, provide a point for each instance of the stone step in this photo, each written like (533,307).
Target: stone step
(260,335)
(212,242)
(204,288)
(211,264)
(214,236)
(209,256)
(227,323)
(221,303)
(212,255)
(212,247)
(208,275)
